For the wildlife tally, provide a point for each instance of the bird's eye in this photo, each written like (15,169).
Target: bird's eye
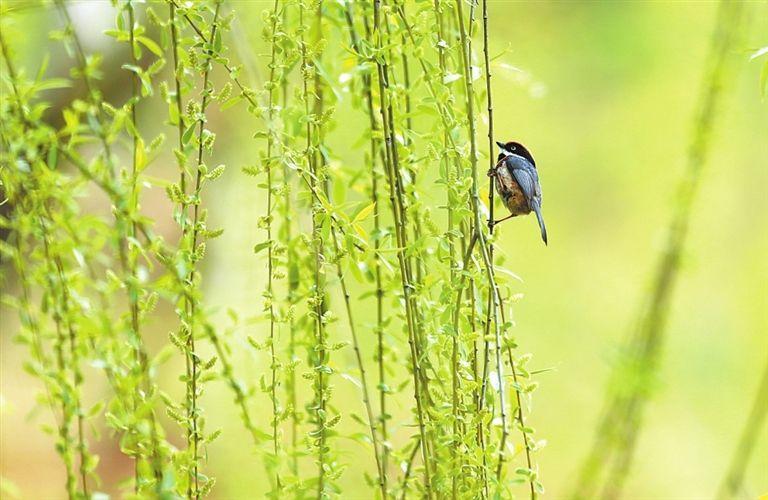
(512,148)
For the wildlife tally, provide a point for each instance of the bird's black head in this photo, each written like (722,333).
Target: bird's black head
(514,148)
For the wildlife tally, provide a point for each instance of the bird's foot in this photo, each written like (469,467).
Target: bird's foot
(493,223)
(491,172)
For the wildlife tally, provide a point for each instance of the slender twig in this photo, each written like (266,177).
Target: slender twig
(375,152)
(123,216)
(408,469)
(74,363)
(292,269)
(63,425)
(491,162)
(360,366)
(133,293)
(398,209)
(318,292)
(443,66)
(270,250)
(244,91)
(495,301)
(188,331)
(194,358)
(61,366)
(733,481)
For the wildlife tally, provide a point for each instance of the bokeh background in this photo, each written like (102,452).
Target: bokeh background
(603,94)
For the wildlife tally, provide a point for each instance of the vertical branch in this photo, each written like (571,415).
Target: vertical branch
(375,152)
(480,394)
(292,270)
(178,99)
(124,224)
(383,416)
(489,101)
(317,237)
(61,367)
(491,165)
(392,165)
(74,363)
(194,412)
(380,466)
(69,397)
(187,321)
(318,292)
(269,163)
(732,484)
(360,366)
(131,257)
(466,45)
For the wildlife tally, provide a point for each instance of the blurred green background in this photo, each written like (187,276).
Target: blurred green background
(603,94)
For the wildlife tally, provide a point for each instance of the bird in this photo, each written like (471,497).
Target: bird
(517,182)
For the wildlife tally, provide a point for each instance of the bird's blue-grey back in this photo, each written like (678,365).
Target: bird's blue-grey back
(528,179)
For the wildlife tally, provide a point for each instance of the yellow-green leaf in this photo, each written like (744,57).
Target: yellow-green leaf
(141,155)
(151,45)
(364,213)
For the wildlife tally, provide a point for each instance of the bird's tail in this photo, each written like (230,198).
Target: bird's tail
(540,217)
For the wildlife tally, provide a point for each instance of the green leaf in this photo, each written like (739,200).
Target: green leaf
(231,102)
(131,67)
(117,34)
(261,246)
(217,41)
(53,83)
(141,155)
(364,213)
(151,45)
(188,134)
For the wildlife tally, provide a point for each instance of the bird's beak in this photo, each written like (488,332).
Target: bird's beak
(500,145)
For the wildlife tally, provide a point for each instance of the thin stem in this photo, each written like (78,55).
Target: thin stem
(189,353)
(318,292)
(409,468)
(178,99)
(375,152)
(245,92)
(124,222)
(733,481)
(397,209)
(74,363)
(292,270)
(270,259)
(360,366)
(191,348)
(133,294)
(61,367)
(63,425)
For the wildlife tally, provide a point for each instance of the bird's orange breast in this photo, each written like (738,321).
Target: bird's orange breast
(510,192)
(515,200)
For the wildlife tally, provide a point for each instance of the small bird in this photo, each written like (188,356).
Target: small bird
(517,182)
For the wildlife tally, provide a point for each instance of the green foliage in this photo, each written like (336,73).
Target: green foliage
(332,233)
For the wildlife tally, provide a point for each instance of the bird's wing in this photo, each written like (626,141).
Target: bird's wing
(526,177)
